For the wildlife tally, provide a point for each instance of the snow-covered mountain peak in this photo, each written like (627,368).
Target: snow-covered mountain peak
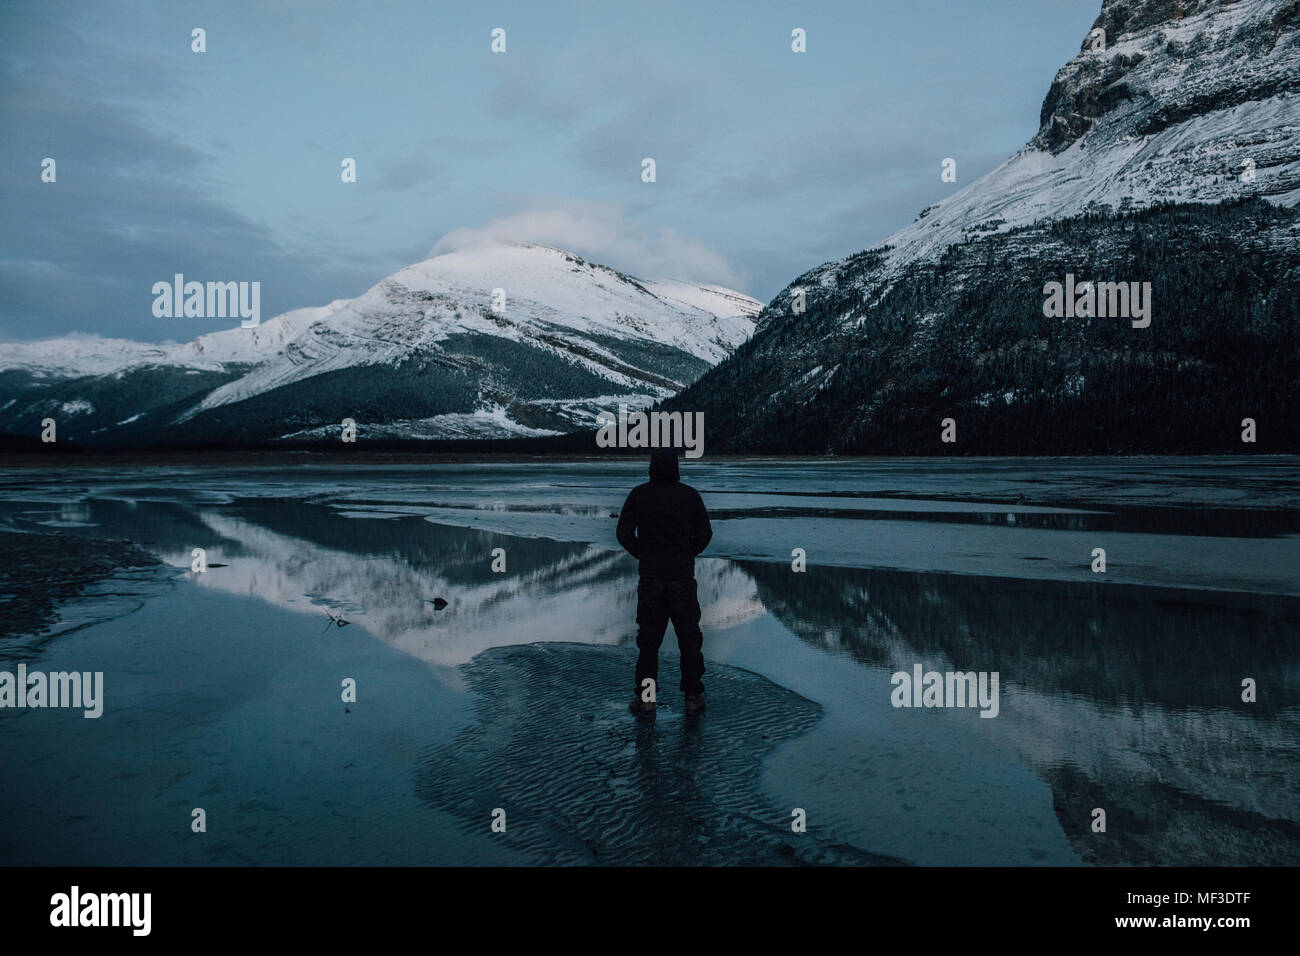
(1150,64)
(1167,159)
(522,292)
(1179,101)
(497,339)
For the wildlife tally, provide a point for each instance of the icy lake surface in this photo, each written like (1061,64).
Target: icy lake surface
(1120,691)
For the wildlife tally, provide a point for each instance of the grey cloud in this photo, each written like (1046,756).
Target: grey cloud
(407,173)
(129,208)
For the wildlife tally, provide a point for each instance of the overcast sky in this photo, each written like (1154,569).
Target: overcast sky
(225,165)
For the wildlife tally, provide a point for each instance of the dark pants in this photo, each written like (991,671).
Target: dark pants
(657,603)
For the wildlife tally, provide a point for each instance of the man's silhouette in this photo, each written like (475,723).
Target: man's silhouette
(664,526)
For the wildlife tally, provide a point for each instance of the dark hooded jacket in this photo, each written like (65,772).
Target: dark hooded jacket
(663,523)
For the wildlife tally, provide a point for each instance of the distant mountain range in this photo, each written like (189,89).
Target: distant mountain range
(1166,165)
(1169,154)
(500,341)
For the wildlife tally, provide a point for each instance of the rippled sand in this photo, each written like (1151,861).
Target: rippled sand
(583,781)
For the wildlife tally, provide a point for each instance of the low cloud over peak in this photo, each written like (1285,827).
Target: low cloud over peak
(604,232)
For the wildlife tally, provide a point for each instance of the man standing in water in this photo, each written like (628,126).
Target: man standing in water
(664,526)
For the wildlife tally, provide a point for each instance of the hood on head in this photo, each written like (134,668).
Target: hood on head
(663,466)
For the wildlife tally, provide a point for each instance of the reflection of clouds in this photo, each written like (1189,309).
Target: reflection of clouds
(588,596)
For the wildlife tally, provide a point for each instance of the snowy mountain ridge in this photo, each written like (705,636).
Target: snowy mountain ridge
(499,340)
(1168,152)
(1185,98)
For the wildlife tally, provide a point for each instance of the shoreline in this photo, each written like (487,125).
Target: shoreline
(70,565)
(100,458)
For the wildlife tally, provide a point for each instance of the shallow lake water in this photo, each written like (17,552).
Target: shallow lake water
(1119,691)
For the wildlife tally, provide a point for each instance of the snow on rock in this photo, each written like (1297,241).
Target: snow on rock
(76,355)
(591,316)
(1181,98)
(551,298)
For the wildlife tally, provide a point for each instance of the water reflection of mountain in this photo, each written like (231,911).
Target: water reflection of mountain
(1122,698)
(1119,697)
(1112,644)
(383,573)
(460,555)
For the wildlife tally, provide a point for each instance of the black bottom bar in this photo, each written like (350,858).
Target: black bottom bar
(363,904)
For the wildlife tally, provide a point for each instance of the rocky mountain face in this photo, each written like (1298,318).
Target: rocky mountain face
(500,341)
(1168,155)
